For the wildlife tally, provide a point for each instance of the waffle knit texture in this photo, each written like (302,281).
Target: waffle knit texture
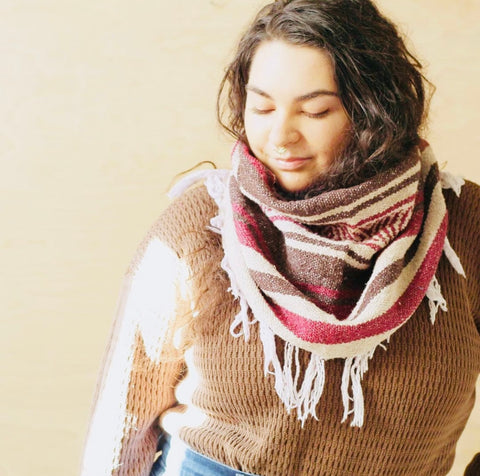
(418,394)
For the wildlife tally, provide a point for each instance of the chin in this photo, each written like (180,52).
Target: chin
(300,185)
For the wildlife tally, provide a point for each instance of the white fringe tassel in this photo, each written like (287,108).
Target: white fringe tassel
(353,372)
(453,258)
(434,294)
(455,182)
(242,322)
(435,299)
(305,398)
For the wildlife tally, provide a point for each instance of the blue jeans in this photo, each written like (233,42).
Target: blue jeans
(179,460)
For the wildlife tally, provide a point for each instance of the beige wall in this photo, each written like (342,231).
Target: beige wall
(102,102)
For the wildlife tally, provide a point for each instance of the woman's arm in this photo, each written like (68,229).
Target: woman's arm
(464,233)
(141,368)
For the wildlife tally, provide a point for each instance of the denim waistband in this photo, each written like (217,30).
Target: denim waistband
(177,459)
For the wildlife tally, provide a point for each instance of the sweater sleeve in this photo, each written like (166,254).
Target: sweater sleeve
(471,202)
(141,368)
(464,233)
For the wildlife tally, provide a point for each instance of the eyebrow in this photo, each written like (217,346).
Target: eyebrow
(303,97)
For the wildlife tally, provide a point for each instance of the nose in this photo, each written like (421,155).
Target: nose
(283,130)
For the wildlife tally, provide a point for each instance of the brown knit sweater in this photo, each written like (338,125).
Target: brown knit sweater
(418,393)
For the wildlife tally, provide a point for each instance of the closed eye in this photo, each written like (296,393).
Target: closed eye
(257,110)
(316,115)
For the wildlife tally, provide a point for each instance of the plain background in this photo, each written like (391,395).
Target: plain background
(102,103)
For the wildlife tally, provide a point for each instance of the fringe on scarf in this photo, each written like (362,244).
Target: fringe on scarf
(304,396)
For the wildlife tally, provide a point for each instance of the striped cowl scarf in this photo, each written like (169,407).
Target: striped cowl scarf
(335,274)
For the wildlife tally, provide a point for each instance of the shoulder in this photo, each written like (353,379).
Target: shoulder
(464,228)
(183,226)
(189,213)
(464,237)
(470,191)
(464,210)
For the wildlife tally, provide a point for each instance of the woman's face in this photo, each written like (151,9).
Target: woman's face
(295,122)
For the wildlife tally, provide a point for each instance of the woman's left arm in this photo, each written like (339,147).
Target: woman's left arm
(142,366)
(465,228)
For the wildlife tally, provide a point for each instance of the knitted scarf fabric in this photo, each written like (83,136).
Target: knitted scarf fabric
(335,274)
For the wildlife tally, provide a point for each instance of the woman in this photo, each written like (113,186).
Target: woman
(290,317)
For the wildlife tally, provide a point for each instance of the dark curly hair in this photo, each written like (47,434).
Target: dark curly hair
(380,82)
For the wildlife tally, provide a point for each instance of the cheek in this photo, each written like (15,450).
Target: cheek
(335,134)
(256,132)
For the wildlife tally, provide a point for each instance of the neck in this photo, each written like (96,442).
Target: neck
(309,192)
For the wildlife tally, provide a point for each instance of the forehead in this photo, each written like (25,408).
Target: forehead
(281,68)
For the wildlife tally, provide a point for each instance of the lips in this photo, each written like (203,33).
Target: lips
(291,163)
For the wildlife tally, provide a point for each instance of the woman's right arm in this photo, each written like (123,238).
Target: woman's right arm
(141,368)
